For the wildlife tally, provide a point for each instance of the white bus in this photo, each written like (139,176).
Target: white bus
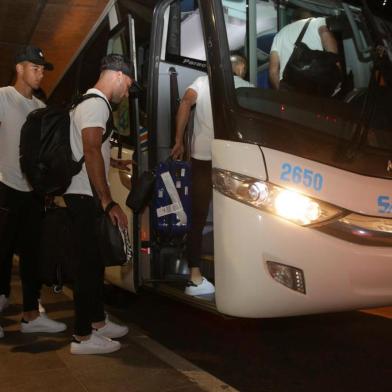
(301,219)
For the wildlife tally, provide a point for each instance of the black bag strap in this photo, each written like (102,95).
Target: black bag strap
(174,101)
(303,31)
(174,105)
(109,122)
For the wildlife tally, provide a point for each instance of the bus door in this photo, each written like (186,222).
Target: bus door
(177,59)
(125,146)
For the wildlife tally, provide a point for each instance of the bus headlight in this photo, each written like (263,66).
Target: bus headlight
(287,204)
(296,207)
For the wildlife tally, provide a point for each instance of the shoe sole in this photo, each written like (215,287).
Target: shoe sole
(92,351)
(199,293)
(43,331)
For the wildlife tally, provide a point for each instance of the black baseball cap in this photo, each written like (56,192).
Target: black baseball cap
(34,55)
(118,62)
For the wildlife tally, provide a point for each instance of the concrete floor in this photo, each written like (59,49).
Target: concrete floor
(42,362)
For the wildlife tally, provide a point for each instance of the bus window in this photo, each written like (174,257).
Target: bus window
(184,32)
(336,115)
(239,30)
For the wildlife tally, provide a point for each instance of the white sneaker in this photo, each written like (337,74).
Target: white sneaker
(96,344)
(205,287)
(1,332)
(112,330)
(42,324)
(41,309)
(4,302)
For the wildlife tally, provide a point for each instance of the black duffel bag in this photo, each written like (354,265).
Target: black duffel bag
(141,192)
(115,247)
(312,71)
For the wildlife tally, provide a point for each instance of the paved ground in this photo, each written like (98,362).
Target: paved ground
(341,352)
(32,362)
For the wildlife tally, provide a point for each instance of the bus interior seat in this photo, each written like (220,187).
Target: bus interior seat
(263,76)
(264,43)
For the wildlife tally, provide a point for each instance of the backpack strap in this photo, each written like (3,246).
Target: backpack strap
(303,31)
(109,122)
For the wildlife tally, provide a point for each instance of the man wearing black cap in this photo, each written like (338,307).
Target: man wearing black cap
(21,209)
(93,330)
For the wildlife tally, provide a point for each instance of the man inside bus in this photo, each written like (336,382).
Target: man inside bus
(198,93)
(316,37)
(23,208)
(93,330)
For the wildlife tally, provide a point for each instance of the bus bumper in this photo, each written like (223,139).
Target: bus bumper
(338,275)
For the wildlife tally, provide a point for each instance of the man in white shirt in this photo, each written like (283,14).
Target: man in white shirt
(20,207)
(317,37)
(239,68)
(198,93)
(93,330)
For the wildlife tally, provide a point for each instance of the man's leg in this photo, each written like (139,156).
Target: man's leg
(88,266)
(30,221)
(92,330)
(31,215)
(10,201)
(23,232)
(201,194)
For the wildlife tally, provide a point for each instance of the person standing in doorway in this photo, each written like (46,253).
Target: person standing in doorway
(198,93)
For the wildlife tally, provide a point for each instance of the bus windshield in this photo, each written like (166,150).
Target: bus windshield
(353,107)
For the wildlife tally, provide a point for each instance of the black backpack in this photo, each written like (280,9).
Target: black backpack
(45,150)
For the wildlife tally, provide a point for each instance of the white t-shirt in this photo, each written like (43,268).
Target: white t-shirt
(91,113)
(239,82)
(203,128)
(285,39)
(14,108)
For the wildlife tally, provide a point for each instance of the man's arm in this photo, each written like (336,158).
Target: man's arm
(122,164)
(92,143)
(274,70)
(188,100)
(328,40)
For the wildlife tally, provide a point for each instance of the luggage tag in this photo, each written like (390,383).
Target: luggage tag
(176,206)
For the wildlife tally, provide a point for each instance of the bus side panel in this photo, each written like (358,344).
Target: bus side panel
(347,190)
(120,183)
